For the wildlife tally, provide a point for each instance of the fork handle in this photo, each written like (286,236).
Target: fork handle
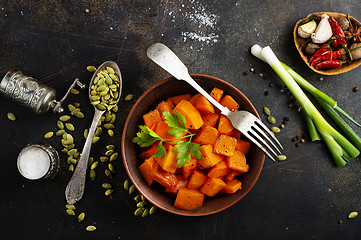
(195,85)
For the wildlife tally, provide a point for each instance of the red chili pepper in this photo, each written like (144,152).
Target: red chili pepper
(337,32)
(330,55)
(319,52)
(328,64)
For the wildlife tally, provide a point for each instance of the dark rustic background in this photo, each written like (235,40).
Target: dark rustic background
(53,41)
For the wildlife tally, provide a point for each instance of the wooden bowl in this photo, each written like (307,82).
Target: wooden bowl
(300,41)
(130,151)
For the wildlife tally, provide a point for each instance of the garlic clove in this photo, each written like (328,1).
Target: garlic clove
(307,29)
(323,31)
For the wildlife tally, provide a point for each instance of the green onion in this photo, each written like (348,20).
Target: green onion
(341,149)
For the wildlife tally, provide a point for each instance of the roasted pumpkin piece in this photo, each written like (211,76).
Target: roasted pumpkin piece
(150,151)
(225,126)
(232,174)
(230,103)
(225,145)
(197,179)
(169,161)
(194,99)
(217,94)
(181,184)
(191,114)
(164,107)
(207,135)
(243,146)
(189,199)
(152,118)
(212,186)
(188,168)
(179,98)
(162,129)
(219,170)
(164,178)
(210,119)
(209,159)
(232,186)
(237,162)
(204,106)
(146,170)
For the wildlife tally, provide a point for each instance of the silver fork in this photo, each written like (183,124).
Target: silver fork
(248,124)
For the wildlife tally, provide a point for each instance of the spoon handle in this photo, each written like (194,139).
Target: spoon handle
(75,188)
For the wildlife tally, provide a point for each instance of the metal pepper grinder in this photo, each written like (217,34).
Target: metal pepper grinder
(29,92)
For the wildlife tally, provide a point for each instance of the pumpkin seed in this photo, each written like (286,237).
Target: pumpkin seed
(275,129)
(94,165)
(142,198)
(64,151)
(69,126)
(91,68)
(114,156)
(95,103)
(98,131)
(96,139)
(77,104)
(60,132)
(104,159)
(81,216)
(101,107)
(132,189)
(108,118)
(74,161)
(152,210)
(110,70)
(128,97)
(70,212)
(108,126)
(353,215)
(108,192)
(86,132)
(90,228)
(71,107)
(60,124)
(72,151)
(271,120)
(141,204)
(111,167)
(64,118)
(137,198)
(138,212)
(145,213)
(281,157)
(92,174)
(106,185)
(110,147)
(90,161)
(126,184)
(108,173)
(71,168)
(11,116)
(74,91)
(48,135)
(114,77)
(115,108)
(70,206)
(109,153)
(75,111)
(266,111)
(79,114)
(70,147)
(110,133)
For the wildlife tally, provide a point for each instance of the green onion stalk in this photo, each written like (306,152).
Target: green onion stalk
(341,149)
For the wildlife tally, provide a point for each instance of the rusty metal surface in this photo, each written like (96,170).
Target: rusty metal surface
(53,41)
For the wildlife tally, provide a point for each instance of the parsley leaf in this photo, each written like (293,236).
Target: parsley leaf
(184,153)
(177,122)
(146,136)
(161,151)
(195,150)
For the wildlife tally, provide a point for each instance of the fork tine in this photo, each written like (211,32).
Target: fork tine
(261,140)
(260,146)
(259,130)
(263,127)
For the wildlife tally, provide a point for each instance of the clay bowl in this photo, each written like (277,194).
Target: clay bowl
(300,41)
(130,151)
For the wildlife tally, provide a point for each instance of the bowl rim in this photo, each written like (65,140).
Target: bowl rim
(186,213)
(296,40)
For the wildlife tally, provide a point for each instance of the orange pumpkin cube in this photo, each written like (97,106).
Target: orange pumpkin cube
(188,168)
(150,151)
(212,186)
(217,94)
(164,107)
(189,199)
(210,119)
(225,145)
(243,146)
(179,98)
(169,161)
(232,174)
(203,105)
(219,170)
(194,99)
(232,186)
(152,118)
(191,114)
(237,162)
(146,170)
(207,135)
(229,102)
(197,179)
(162,129)
(225,126)
(209,159)
(164,178)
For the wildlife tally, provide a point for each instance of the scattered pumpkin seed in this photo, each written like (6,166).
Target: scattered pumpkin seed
(110,70)
(71,168)
(275,129)
(115,108)
(70,206)
(114,156)
(71,107)
(111,167)
(64,118)
(48,135)
(145,213)
(142,197)
(281,157)
(104,159)
(74,91)
(137,198)
(90,161)
(109,153)
(77,104)
(138,212)
(152,210)
(91,68)
(126,184)
(70,212)
(11,116)
(92,174)
(271,120)
(79,114)
(98,131)
(72,151)
(131,189)
(90,228)
(81,216)
(60,124)
(108,192)
(96,139)
(60,132)
(108,173)
(86,132)
(266,111)
(65,151)
(352,215)
(74,161)
(106,185)
(141,204)
(94,165)
(109,126)
(69,126)
(110,132)
(110,147)
(128,97)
